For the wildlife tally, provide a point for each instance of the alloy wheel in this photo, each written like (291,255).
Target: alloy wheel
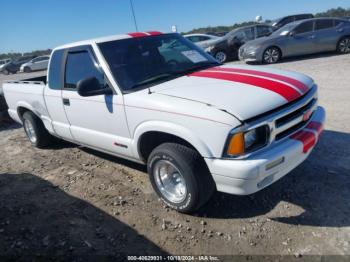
(170,181)
(271,55)
(30,131)
(344,45)
(221,56)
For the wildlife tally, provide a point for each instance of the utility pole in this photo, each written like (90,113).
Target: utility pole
(133,14)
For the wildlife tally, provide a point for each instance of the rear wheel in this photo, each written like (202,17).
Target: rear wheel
(180,177)
(271,55)
(344,45)
(221,56)
(36,131)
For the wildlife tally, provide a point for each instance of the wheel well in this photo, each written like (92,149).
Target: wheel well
(341,38)
(21,110)
(150,140)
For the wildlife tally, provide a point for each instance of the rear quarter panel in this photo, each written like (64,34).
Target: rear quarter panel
(29,96)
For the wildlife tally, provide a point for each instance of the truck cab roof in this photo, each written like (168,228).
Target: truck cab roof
(108,38)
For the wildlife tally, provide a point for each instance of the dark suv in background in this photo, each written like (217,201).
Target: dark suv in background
(226,48)
(14,66)
(278,23)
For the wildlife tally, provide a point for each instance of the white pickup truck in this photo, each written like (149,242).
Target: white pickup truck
(158,99)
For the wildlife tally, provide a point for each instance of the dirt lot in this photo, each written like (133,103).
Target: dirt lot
(71,201)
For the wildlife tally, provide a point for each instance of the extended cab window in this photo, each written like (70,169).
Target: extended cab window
(55,70)
(80,65)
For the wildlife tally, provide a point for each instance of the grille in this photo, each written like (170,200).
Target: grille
(294,120)
(297,113)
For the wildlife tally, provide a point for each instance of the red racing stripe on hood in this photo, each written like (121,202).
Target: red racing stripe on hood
(308,139)
(284,90)
(300,85)
(137,34)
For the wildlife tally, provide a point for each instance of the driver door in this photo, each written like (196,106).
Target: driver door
(96,121)
(303,40)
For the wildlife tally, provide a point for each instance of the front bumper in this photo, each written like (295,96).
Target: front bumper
(247,176)
(243,55)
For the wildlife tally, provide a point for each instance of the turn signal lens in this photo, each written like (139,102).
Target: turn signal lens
(236,145)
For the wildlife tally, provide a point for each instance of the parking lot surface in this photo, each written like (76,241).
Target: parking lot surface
(70,200)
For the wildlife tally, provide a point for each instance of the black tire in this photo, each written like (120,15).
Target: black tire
(199,183)
(343,46)
(27,69)
(221,56)
(271,55)
(43,137)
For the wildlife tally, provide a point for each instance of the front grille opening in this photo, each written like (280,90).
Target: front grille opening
(290,130)
(297,113)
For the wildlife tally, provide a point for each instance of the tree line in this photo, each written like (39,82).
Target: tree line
(334,12)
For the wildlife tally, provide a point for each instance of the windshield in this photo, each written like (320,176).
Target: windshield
(137,63)
(284,30)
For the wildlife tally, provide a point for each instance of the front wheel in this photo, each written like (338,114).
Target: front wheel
(180,177)
(344,45)
(221,56)
(27,69)
(5,72)
(271,55)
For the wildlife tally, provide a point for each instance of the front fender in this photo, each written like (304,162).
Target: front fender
(173,129)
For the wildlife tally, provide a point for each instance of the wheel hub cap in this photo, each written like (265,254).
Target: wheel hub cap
(170,181)
(221,57)
(271,55)
(28,127)
(345,45)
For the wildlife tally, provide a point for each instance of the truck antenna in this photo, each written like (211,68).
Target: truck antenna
(133,14)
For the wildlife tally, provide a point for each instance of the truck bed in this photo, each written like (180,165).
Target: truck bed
(28,93)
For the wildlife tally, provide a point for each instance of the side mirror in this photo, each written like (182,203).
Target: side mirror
(91,87)
(291,33)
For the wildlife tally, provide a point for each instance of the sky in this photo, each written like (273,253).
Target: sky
(41,24)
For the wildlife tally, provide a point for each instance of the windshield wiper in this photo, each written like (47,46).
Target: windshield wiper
(153,80)
(197,68)
(174,74)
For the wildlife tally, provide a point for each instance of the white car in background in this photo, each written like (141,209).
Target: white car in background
(4,62)
(202,40)
(38,63)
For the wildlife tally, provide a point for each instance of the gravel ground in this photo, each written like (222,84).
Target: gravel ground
(74,202)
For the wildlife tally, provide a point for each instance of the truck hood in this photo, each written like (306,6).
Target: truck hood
(243,91)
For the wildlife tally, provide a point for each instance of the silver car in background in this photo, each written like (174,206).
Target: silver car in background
(36,64)
(202,40)
(299,38)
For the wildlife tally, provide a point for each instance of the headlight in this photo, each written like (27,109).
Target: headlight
(244,142)
(251,49)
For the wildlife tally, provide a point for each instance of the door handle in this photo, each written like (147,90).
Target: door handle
(311,37)
(340,30)
(66,101)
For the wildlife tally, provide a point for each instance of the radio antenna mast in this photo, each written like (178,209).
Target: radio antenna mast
(133,14)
